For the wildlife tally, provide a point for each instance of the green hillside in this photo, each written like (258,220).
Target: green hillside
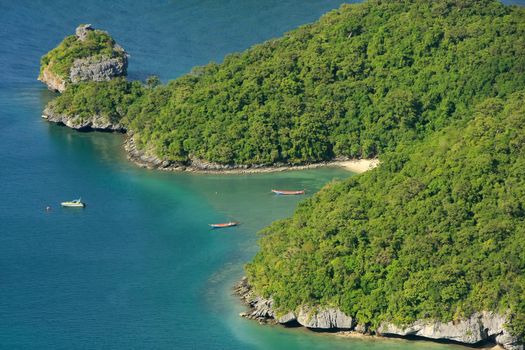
(436,232)
(435,88)
(356,83)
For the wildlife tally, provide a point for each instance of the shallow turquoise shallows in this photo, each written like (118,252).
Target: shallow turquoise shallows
(138,268)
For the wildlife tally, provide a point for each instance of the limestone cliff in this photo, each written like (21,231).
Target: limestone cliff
(478,328)
(52,80)
(95,122)
(78,59)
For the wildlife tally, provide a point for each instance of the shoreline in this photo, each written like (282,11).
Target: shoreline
(146,160)
(372,337)
(152,162)
(333,322)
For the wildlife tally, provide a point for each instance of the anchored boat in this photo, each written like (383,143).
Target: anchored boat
(226,224)
(287,193)
(75,203)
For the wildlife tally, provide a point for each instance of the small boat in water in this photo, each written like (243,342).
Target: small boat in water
(288,193)
(76,203)
(226,224)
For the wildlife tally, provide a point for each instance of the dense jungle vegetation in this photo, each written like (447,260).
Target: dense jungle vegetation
(436,232)
(435,88)
(356,83)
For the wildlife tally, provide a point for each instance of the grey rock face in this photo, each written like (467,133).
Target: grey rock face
(53,82)
(142,158)
(98,69)
(481,326)
(95,122)
(361,328)
(82,31)
(329,318)
(260,308)
(288,318)
(477,328)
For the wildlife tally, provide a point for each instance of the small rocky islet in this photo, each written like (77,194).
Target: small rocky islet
(89,55)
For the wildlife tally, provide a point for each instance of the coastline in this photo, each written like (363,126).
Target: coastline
(357,335)
(149,161)
(483,329)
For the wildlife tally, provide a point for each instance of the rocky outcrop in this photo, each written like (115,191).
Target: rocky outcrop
(479,328)
(328,318)
(97,69)
(95,122)
(146,159)
(83,30)
(94,68)
(53,81)
(261,309)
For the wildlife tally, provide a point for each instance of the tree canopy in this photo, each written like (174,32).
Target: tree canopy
(354,84)
(436,232)
(435,88)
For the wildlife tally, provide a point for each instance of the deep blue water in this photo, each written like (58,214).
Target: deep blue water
(138,268)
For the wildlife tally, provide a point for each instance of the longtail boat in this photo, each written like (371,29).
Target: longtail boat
(288,193)
(226,224)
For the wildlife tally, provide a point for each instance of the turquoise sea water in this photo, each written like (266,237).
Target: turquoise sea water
(138,268)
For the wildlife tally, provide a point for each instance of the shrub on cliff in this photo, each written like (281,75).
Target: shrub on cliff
(110,100)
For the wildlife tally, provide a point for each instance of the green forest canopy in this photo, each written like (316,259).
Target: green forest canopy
(436,232)
(436,88)
(354,84)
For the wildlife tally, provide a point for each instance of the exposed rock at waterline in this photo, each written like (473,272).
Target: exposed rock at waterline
(479,328)
(329,318)
(53,81)
(261,309)
(95,122)
(145,159)
(288,318)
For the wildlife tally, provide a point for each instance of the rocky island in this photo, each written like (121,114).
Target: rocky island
(89,55)
(429,244)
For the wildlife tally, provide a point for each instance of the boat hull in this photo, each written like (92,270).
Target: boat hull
(227,224)
(72,205)
(288,193)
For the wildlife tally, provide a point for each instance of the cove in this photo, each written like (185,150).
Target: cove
(138,268)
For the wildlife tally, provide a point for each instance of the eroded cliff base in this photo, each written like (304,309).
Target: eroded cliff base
(481,329)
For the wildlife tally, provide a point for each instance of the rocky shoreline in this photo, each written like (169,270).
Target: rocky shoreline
(148,160)
(480,328)
(93,123)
